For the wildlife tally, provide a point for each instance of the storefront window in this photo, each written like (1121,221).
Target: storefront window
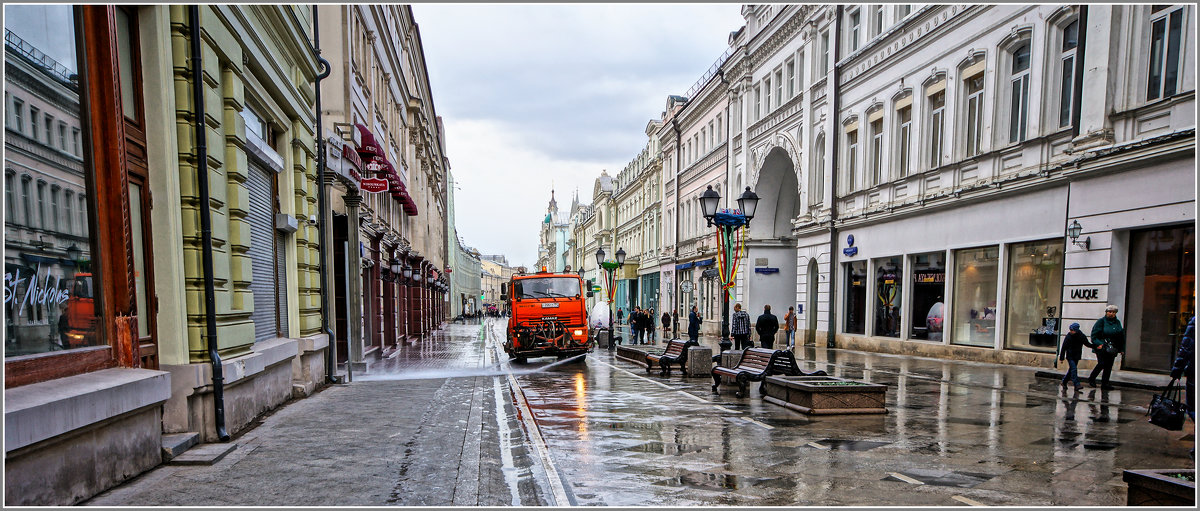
(1034,298)
(975,274)
(928,307)
(856,297)
(888,279)
(50,291)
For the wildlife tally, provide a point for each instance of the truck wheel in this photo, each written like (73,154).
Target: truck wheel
(519,360)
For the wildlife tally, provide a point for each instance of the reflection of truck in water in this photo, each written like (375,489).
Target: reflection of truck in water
(549,316)
(77,324)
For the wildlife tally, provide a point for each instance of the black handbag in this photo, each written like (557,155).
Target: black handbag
(1166,409)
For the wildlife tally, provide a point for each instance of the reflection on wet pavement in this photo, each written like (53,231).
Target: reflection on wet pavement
(964,432)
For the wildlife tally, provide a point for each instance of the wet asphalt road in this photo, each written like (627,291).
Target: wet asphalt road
(438,426)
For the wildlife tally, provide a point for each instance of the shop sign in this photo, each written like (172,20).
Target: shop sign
(374,185)
(923,277)
(1087,293)
(766,271)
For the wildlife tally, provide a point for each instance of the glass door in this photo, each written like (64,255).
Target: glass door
(1162,295)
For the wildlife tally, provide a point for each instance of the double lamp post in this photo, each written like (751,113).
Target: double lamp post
(728,222)
(610,267)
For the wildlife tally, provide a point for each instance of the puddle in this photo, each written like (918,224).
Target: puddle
(972,422)
(849,445)
(665,448)
(707,481)
(943,478)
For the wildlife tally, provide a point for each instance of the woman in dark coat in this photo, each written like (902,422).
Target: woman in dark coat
(666,321)
(1072,351)
(1108,341)
(694,325)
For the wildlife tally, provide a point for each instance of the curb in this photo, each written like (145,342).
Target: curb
(1115,383)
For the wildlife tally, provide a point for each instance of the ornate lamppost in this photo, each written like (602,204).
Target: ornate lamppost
(610,269)
(729,247)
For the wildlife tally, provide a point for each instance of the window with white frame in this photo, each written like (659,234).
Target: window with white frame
(10,192)
(1066,96)
(903,135)
(717,130)
(767,89)
(757,102)
(778,87)
(973,106)
(855,27)
(791,74)
(878,174)
(876,20)
(1018,113)
(703,141)
(18,116)
(34,116)
(851,157)
(800,72)
(69,203)
(936,131)
(48,126)
(825,53)
(903,10)
(1166,39)
(816,173)
(62,136)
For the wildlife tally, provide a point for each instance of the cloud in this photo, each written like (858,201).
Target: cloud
(558,92)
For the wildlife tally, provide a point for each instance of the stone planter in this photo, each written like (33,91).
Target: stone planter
(631,354)
(1158,487)
(825,395)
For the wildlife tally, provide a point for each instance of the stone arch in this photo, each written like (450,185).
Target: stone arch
(777,185)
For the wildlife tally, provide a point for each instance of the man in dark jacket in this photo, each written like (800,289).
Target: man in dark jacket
(740,328)
(1072,351)
(1185,365)
(694,325)
(766,326)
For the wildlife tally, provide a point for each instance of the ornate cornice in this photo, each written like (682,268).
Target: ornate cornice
(781,35)
(899,38)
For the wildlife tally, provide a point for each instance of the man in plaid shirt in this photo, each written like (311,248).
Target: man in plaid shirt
(741,328)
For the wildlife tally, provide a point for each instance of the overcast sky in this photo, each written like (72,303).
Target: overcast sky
(534,96)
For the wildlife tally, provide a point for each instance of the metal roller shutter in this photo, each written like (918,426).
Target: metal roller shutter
(262,251)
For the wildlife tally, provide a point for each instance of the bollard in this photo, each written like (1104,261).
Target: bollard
(699,361)
(730,358)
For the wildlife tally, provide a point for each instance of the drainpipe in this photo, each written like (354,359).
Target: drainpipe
(836,105)
(1077,105)
(210,298)
(322,231)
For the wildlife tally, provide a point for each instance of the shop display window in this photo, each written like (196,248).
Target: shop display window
(974,307)
(1034,297)
(51,282)
(928,307)
(856,298)
(888,293)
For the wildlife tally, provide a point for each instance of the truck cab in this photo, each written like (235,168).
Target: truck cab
(549,316)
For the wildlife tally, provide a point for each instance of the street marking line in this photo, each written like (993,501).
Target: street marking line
(904,478)
(661,384)
(723,409)
(818,446)
(967,501)
(768,426)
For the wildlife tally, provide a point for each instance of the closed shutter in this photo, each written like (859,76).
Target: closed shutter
(262,252)
(281,278)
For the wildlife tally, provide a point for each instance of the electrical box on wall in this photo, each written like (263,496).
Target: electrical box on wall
(285,223)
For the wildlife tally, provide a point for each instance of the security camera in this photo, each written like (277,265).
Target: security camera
(312,220)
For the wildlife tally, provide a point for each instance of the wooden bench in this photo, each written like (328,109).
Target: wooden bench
(757,364)
(676,353)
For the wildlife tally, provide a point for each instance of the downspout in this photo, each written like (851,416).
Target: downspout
(331,347)
(836,105)
(1077,105)
(210,298)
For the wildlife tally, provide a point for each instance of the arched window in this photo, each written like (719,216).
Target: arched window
(816,172)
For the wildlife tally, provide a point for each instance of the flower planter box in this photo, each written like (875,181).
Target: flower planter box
(825,395)
(1159,487)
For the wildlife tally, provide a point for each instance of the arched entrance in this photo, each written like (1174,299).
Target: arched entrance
(772,257)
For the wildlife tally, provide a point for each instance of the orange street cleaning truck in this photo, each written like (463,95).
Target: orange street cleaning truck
(549,316)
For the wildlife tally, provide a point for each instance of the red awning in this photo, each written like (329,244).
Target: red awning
(369,146)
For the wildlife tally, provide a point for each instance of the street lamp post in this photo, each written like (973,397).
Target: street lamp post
(609,268)
(728,222)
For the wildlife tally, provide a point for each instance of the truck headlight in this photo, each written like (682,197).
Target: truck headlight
(578,333)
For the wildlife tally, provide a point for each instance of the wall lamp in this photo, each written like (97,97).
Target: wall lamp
(1073,232)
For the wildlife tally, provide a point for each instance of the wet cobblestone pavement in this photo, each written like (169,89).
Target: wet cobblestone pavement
(438,426)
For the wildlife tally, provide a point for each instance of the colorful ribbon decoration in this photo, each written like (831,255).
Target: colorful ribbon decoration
(731,248)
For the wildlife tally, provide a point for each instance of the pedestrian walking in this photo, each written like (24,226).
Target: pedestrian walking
(1184,366)
(666,323)
(651,332)
(1071,351)
(620,315)
(633,326)
(1108,339)
(789,326)
(641,326)
(740,328)
(766,325)
(694,325)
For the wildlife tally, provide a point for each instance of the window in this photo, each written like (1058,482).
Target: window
(974,308)
(75,149)
(41,204)
(1066,98)
(10,208)
(703,141)
(928,289)
(54,193)
(903,136)
(1034,296)
(888,279)
(878,173)
(825,53)
(68,201)
(800,72)
(877,20)
(48,126)
(34,116)
(778,87)
(717,132)
(83,223)
(1166,27)
(791,74)
(851,159)
(974,88)
(816,173)
(26,203)
(1019,101)
(767,87)
(854,29)
(62,136)
(18,115)
(856,298)
(903,11)
(757,102)
(937,124)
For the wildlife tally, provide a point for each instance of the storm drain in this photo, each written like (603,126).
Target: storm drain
(940,477)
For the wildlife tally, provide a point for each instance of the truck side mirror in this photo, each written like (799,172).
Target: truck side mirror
(517,290)
(504,291)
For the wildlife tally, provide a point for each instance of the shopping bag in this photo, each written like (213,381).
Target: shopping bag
(1167,409)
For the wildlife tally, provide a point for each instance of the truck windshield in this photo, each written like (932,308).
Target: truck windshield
(549,288)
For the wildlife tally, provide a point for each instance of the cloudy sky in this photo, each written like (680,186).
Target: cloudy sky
(535,96)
